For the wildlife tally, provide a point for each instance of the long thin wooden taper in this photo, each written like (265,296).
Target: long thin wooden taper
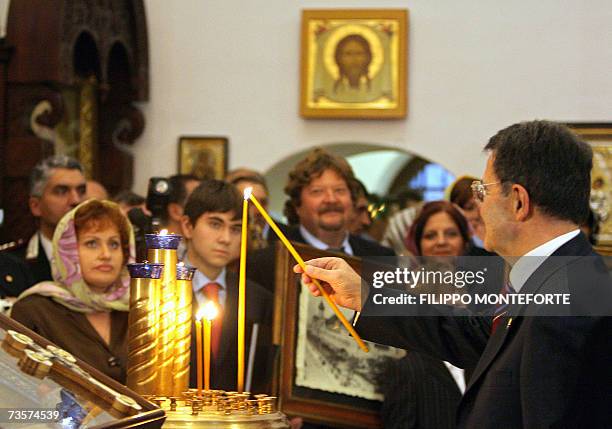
(302,264)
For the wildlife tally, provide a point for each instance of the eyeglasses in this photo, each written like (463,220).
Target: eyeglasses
(479,189)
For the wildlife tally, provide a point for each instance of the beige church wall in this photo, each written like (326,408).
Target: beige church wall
(231,68)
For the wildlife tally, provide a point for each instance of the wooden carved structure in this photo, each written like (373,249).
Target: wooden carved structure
(70,71)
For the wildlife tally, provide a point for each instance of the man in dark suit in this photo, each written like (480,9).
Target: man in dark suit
(322,192)
(57,185)
(212,229)
(536,366)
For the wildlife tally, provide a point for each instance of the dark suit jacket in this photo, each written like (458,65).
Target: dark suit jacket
(15,277)
(420,393)
(535,372)
(261,265)
(39,267)
(223,369)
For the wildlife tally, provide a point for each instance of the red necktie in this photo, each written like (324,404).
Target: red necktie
(501,309)
(211,292)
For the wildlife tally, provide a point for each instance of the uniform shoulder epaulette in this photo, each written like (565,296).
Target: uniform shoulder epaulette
(12,245)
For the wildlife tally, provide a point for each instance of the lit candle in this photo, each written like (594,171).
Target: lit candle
(242,288)
(209,312)
(301,263)
(198,328)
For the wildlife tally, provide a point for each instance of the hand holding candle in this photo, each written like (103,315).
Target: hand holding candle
(300,261)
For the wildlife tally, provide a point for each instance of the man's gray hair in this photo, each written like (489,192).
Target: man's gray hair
(44,169)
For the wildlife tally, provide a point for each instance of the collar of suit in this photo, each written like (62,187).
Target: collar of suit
(529,263)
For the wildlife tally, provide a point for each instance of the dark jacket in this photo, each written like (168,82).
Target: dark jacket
(38,265)
(420,392)
(15,277)
(261,264)
(534,372)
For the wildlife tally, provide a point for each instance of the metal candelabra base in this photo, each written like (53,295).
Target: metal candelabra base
(220,409)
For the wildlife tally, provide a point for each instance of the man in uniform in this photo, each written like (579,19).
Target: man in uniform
(57,185)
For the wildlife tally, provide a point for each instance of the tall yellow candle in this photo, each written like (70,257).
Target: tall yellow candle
(198,328)
(300,261)
(210,311)
(242,289)
(207,335)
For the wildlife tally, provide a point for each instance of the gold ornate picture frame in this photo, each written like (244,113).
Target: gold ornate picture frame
(353,63)
(204,157)
(599,136)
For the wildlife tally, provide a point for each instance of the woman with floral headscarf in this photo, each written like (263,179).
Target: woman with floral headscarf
(85,309)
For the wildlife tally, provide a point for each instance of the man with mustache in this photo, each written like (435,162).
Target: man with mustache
(322,192)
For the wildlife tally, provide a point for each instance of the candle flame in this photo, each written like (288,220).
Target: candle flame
(247,192)
(163,232)
(200,314)
(210,310)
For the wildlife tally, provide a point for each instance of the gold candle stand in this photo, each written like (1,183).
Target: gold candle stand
(161,248)
(143,328)
(182,333)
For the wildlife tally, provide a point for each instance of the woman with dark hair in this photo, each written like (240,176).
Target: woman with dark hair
(423,392)
(439,230)
(84,310)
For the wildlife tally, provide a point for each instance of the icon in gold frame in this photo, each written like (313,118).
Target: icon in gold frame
(354,63)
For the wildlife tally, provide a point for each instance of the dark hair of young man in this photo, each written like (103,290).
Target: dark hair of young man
(311,167)
(550,162)
(213,196)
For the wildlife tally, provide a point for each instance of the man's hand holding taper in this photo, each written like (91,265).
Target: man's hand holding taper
(340,281)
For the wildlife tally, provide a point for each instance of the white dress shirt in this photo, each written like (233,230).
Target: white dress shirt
(530,261)
(318,244)
(47,246)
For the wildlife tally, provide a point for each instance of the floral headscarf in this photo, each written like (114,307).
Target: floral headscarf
(69,287)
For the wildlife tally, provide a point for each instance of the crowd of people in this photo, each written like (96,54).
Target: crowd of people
(69,282)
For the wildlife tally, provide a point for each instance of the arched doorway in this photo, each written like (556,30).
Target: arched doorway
(387,173)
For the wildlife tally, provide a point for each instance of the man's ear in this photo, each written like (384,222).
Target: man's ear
(34,203)
(521,203)
(186,227)
(175,212)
